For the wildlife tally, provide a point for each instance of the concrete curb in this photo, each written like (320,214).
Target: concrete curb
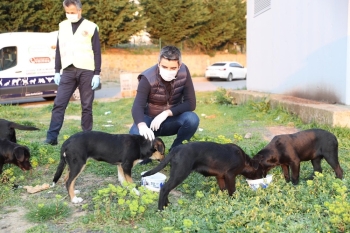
(308,110)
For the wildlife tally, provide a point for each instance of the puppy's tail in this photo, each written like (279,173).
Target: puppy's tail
(161,165)
(22,127)
(60,168)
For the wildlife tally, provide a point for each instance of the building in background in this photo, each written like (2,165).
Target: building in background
(300,48)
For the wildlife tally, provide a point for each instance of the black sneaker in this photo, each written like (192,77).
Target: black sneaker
(51,142)
(146,161)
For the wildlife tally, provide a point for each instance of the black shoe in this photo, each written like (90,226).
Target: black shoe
(51,142)
(145,161)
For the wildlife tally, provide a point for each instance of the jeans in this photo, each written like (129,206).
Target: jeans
(184,126)
(72,78)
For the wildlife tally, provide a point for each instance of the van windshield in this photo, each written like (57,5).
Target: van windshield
(8,57)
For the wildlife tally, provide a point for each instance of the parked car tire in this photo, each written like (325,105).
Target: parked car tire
(49,98)
(230,77)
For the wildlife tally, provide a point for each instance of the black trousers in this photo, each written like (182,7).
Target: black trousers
(72,78)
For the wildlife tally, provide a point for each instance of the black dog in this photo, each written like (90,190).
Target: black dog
(7,129)
(289,150)
(123,150)
(13,153)
(225,161)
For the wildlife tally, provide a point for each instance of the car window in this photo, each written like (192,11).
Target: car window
(218,64)
(8,57)
(235,65)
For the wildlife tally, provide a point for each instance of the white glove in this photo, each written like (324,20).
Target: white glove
(95,81)
(158,120)
(145,131)
(57,78)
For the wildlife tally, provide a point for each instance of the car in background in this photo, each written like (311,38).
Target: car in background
(227,70)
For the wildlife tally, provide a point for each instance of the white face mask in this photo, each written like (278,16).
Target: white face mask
(167,75)
(73,18)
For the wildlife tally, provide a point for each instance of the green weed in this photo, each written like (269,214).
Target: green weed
(54,210)
(197,205)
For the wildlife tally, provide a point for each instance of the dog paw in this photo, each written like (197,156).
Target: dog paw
(53,185)
(137,192)
(77,200)
(76,191)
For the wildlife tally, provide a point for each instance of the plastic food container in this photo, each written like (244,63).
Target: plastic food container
(263,183)
(154,182)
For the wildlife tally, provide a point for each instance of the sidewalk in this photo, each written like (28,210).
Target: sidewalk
(308,110)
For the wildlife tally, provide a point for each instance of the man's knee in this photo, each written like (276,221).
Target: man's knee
(134,130)
(191,118)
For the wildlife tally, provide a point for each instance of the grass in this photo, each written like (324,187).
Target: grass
(321,205)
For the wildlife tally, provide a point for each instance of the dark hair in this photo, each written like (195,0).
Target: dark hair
(77,3)
(171,53)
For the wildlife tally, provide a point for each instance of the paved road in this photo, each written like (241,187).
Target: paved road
(112,90)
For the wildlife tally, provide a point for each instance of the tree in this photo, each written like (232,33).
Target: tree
(222,27)
(30,15)
(117,20)
(173,21)
(240,36)
(49,14)
(15,14)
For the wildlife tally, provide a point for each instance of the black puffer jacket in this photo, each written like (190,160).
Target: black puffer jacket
(155,95)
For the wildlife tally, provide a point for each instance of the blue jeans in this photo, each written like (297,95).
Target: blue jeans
(184,126)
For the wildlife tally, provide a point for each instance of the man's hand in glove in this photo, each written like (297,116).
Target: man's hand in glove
(95,81)
(145,131)
(158,120)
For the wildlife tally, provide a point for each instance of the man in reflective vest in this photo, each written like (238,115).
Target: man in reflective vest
(78,55)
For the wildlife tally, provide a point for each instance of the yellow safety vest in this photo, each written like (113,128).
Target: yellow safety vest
(76,48)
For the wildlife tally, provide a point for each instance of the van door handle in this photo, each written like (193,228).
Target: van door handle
(19,71)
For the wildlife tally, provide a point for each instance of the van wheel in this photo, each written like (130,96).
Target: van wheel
(49,98)
(76,95)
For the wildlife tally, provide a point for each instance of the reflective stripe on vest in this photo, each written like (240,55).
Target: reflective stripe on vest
(77,49)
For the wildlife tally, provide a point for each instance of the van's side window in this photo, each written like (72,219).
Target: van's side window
(8,57)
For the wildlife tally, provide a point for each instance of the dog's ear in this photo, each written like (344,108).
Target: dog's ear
(258,157)
(18,153)
(159,145)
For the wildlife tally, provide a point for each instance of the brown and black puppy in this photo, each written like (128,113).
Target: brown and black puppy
(13,153)
(123,150)
(224,161)
(288,150)
(7,129)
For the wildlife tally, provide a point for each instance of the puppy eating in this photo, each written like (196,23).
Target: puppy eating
(123,150)
(14,153)
(224,161)
(288,150)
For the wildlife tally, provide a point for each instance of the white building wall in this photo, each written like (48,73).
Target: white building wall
(300,48)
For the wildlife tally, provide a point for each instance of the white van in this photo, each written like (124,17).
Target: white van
(27,65)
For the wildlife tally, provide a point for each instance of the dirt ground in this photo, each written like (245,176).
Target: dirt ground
(13,221)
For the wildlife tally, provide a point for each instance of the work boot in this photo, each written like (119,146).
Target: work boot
(52,142)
